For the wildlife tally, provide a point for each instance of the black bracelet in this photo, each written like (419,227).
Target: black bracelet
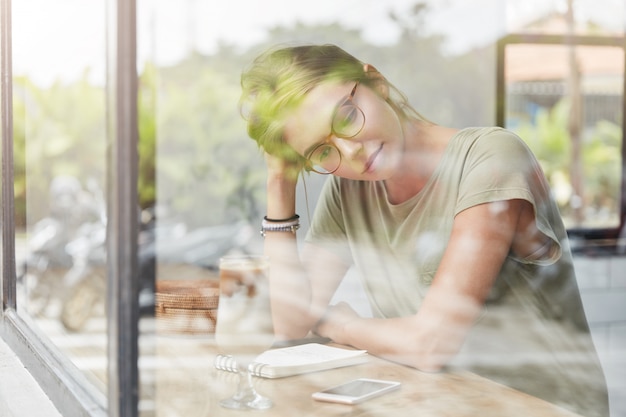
(290,219)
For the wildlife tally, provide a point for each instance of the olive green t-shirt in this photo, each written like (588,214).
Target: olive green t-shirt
(397,249)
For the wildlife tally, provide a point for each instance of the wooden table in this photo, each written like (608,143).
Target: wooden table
(188,384)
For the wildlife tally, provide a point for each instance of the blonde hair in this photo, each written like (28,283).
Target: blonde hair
(279,79)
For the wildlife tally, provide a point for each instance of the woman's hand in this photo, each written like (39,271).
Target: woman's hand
(282,168)
(282,178)
(334,321)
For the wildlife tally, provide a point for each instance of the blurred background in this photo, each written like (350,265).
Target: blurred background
(202,180)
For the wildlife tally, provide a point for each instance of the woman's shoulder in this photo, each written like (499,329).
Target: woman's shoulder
(493,139)
(489,132)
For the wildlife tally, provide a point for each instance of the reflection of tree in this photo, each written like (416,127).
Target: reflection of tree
(19,152)
(193,145)
(575,121)
(203,155)
(147,137)
(600,162)
(412,22)
(59,130)
(579,148)
(216,173)
(451,90)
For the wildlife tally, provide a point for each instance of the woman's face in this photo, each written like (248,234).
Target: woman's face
(373,154)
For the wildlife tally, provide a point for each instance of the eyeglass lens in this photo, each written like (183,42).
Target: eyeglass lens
(347,122)
(325,159)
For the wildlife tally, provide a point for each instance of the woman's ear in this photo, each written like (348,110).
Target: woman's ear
(378,81)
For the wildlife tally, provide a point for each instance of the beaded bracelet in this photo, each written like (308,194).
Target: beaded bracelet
(289,225)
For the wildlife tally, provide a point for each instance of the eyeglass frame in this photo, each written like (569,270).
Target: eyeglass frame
(328,142)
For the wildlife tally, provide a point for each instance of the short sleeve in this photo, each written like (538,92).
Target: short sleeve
(500,166)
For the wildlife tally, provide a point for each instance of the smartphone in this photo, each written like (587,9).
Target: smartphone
(356,391)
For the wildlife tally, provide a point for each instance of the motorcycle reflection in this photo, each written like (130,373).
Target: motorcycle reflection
(64,274)
(48,260)
(85,282)
(46,264)
(169,245)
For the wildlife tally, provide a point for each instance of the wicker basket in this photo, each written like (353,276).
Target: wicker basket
(186,306)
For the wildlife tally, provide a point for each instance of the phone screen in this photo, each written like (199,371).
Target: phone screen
(356,391)
(358,388)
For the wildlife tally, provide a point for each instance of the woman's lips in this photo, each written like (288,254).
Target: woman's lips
(371,159)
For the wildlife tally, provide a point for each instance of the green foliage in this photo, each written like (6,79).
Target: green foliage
(59,130)
(19,151)
(549,139)
(194,153)
(602,164)
(209,171)
(146,98)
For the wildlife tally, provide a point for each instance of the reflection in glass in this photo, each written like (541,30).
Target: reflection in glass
(59,144)
(244,327)
(209,177)
(571,118)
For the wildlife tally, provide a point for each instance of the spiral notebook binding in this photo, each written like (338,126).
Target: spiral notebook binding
(226,363)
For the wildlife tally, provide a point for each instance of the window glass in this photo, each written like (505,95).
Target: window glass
(60,161)
(208,196)
(572,119)
(566,101)
(202,180)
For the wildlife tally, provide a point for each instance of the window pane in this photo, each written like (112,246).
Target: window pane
(208,194)
(567,104)
(200,186)
(203,180)
(59,131)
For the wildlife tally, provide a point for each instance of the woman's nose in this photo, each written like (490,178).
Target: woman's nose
(349,148)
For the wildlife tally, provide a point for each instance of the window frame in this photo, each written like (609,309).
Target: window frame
(122,209)
(583,240)
(68,388)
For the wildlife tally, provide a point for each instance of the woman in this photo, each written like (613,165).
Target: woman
(433,218)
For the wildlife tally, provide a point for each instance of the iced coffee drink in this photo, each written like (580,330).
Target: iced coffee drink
(244,321)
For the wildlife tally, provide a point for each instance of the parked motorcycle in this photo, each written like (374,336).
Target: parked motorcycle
(47,259)
(45,265)
(169,244)
(85,282)
(65,265)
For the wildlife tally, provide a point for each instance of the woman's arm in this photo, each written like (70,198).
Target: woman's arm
(480,241)
(300,291)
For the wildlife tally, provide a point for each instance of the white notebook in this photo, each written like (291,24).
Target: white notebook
(295,360)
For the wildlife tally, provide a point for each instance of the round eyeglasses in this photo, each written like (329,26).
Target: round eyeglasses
(348,120)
